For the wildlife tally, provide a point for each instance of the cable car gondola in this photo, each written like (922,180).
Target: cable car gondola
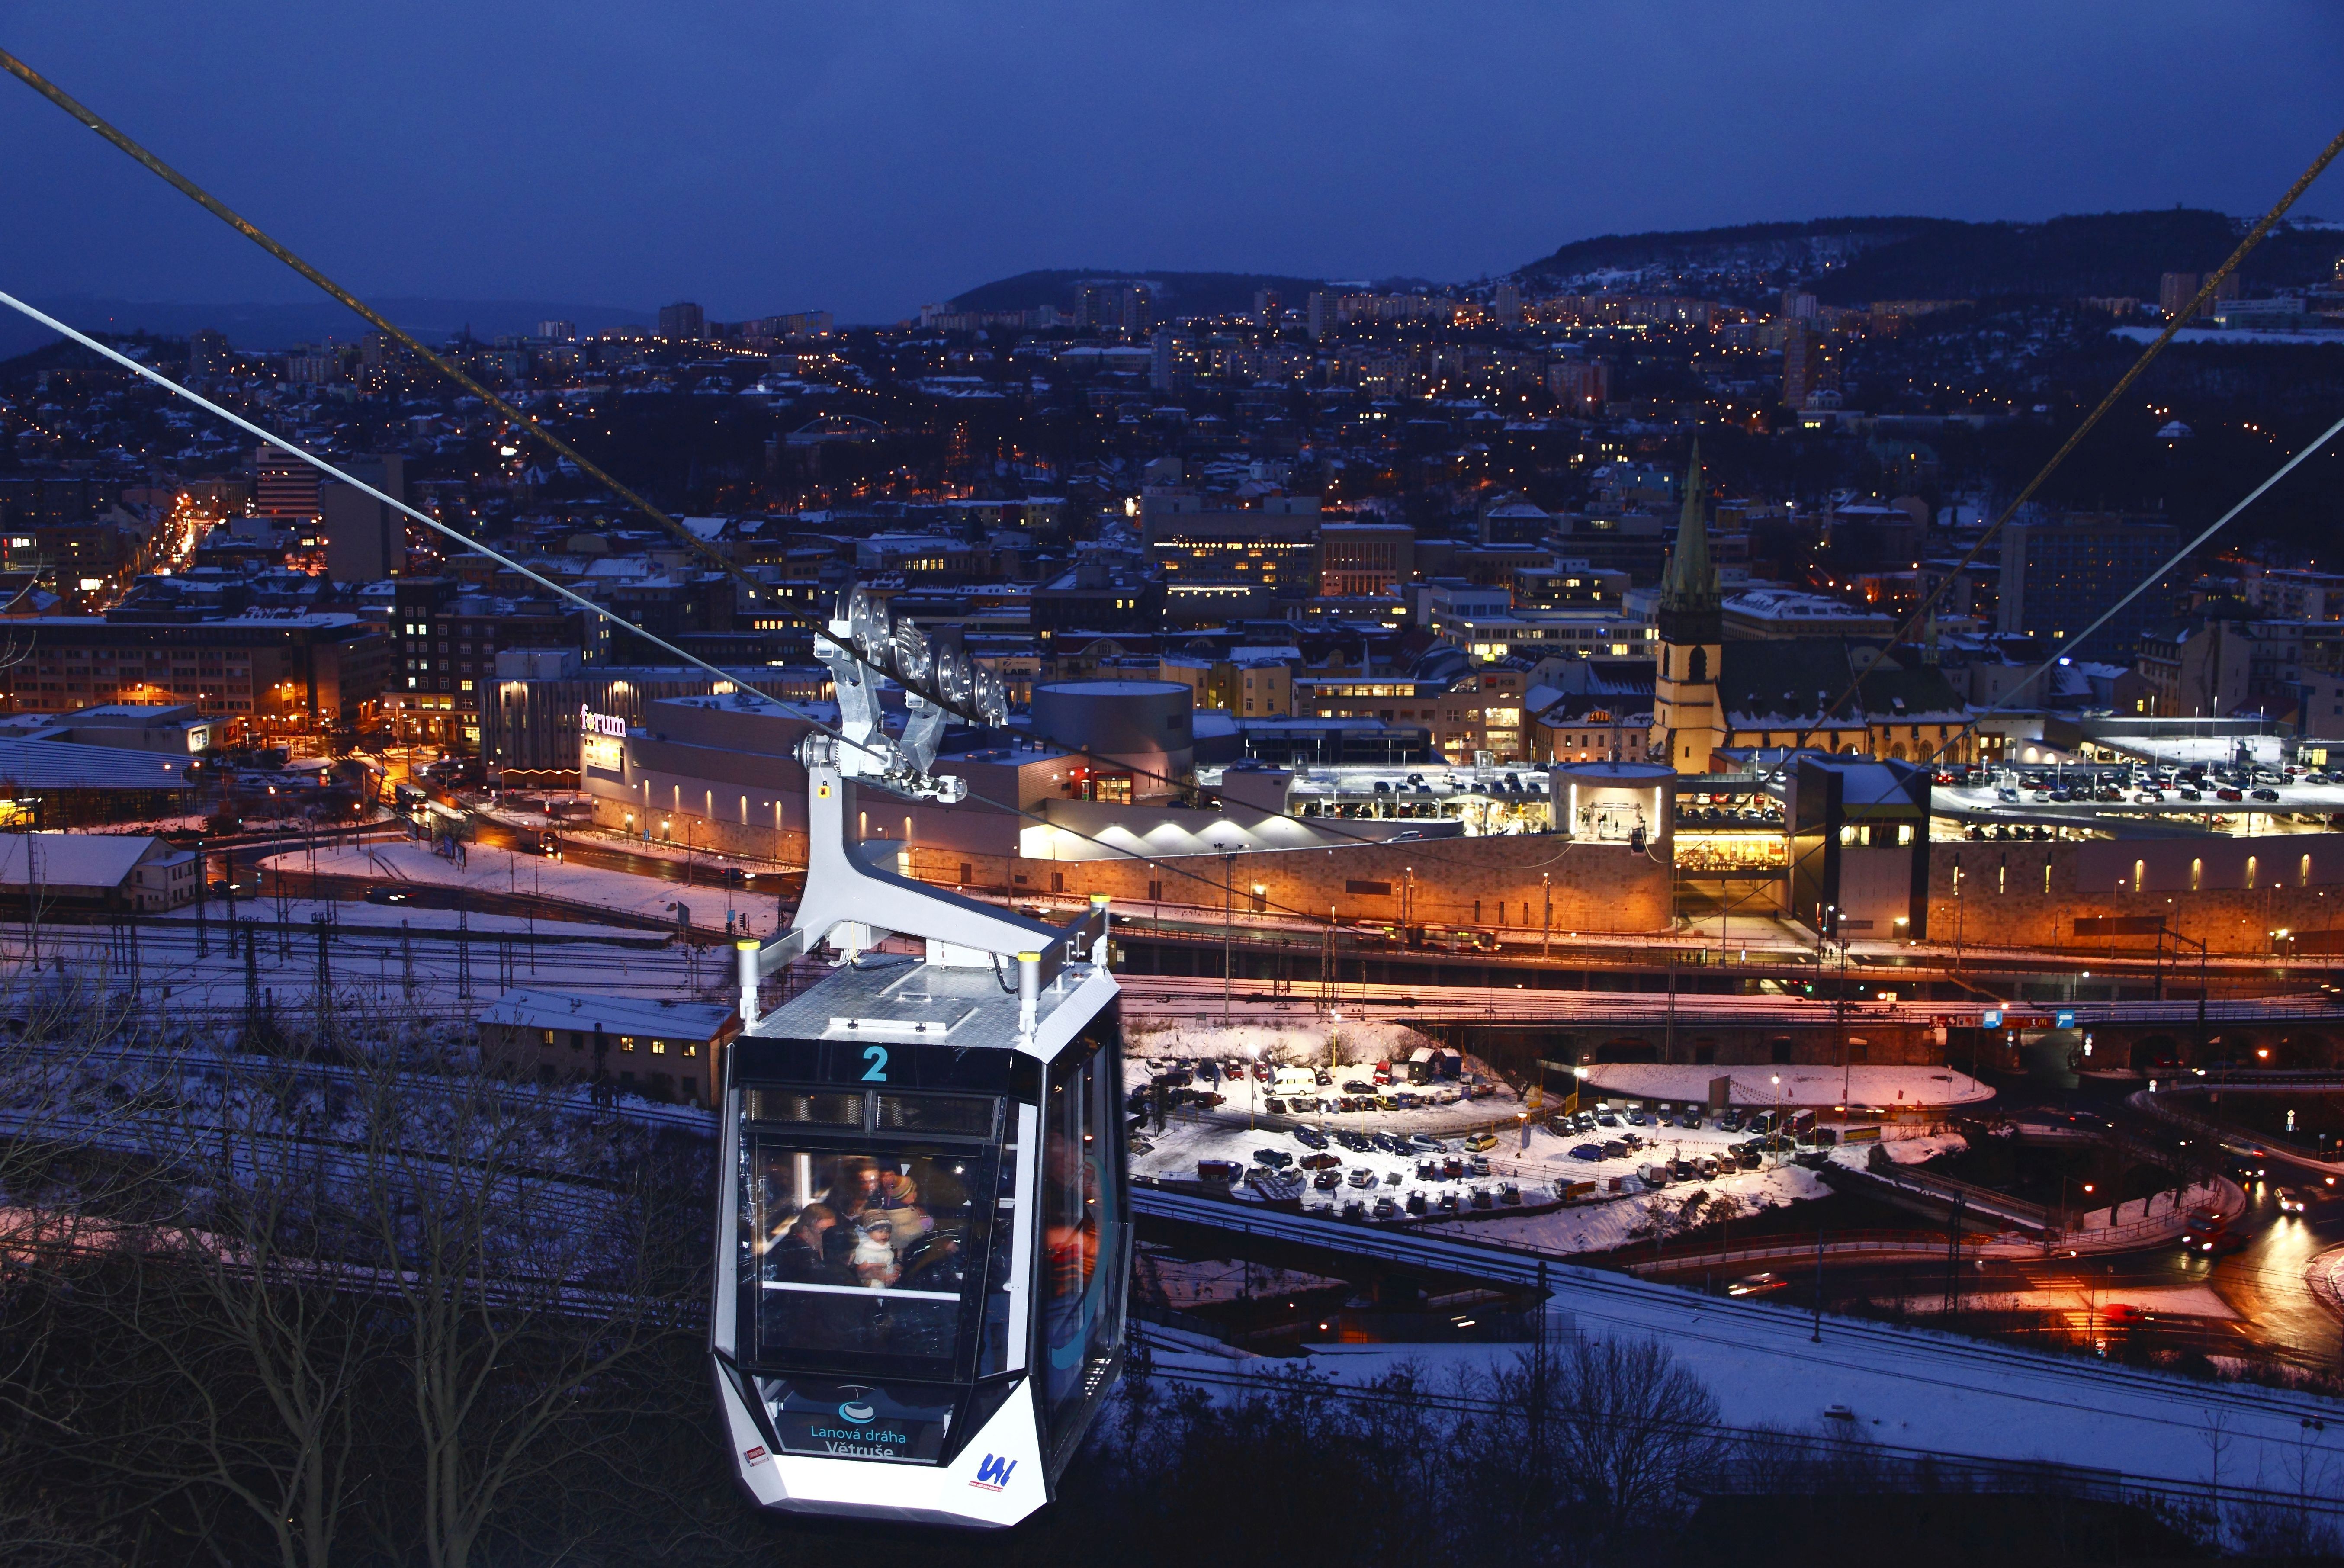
(923,1238)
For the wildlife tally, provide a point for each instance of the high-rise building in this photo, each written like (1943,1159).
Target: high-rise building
(1808,364)
(683,322)
(1320,309)
(283,485)
(1583,386)
(366,540)
(208,352)
(2059,574)
(558,331)
(2175,290)
(1798,306)
(1506,305)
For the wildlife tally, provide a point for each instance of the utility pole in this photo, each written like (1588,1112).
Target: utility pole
(1669,1039)
(251,981)
(1818,1336)
(1954,1257)
(1229,930)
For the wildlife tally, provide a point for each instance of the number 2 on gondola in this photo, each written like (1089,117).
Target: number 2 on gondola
(877,1057)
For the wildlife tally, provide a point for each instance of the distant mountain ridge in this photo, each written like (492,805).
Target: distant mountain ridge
(1842,260)
(1186,293)
(1853,260)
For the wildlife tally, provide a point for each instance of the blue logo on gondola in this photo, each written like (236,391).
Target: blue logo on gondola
(856,1411)
(993,1474)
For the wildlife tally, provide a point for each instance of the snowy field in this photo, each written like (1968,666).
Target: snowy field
(487,870)
(390,919)
(1761,1087)
(1906,1386)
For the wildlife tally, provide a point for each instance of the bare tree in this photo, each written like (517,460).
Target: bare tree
(1633,1431)
(61,1120)
(531,1268)
(249,1297)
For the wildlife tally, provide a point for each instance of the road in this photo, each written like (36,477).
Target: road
(2257,1301)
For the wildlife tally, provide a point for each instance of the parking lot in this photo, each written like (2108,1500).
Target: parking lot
(1360,1166)
(2223,795)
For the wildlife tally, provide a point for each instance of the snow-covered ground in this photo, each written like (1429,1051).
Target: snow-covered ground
(490,870)
(1616,1221)
(1909,1388)
(357,915)
(1761,1087)
(1168,1039)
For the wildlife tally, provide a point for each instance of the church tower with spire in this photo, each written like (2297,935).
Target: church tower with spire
(1686,719)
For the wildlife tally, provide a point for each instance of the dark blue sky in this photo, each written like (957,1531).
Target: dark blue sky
(769,156)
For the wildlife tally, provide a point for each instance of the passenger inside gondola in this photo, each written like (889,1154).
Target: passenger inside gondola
(895,1227)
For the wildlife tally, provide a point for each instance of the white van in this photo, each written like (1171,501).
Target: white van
(1289,1081)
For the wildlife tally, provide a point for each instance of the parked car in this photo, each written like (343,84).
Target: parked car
(1221,1170)
(2266,794)
(1361,1176)
(1481,1140)
(1384,1208)
(1309,1137)
(1276,1158)
(1429,1143)
(1320,1162)
(2227,793)
(1587,1151)
(1327,1181)
(1274,1105)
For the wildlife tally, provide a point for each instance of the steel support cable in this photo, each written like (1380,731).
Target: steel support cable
(531,425)
(352,302)
(2254,236)
(149,373)
(2147,583)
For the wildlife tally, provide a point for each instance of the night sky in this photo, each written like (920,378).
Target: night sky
(761,156)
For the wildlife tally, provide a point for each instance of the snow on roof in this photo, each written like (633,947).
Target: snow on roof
(74,859)
(526,1008)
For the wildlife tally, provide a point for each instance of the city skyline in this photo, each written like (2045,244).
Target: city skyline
(905,162)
